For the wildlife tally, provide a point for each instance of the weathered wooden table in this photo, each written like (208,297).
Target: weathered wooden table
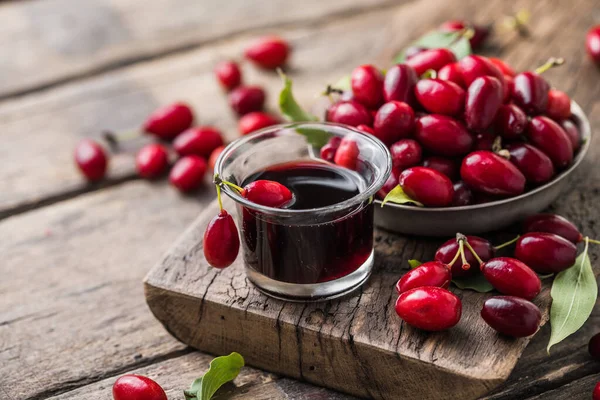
(72,310)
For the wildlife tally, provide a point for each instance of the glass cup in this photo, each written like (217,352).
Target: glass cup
(305,254)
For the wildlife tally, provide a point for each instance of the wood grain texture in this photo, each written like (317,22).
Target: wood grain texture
(72,308)
(73,39)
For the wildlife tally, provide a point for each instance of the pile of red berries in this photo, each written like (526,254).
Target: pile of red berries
(461,131)
(548,245)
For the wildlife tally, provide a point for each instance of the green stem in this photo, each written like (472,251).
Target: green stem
(507,243)
(461,249)
(113,139)
(472,250)
(551,63)
(218,181)
(219,197)
(592,240)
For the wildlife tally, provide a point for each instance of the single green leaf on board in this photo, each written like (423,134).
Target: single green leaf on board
(476,282)
(222,370)
(454,41)
(397,195)
(414,263)
(288,105)
(192,392)
(315,136)
(574,294)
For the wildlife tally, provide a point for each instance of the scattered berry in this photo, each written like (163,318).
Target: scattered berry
(432,273)
(254,121)
(447,252)
(188,173)
(511,316)
(228,74)
(429,308)
(268,52)
(545,253)
(245,99)
(137,387)
(169,121)
(592,43)
(552,223)
(91,159)
(200,141)
(512,277)
(151,161)
(212,160)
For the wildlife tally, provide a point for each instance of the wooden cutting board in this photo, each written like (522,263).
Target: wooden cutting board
(356,344)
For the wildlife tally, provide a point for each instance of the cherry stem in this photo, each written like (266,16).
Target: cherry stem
(429,74)
(460,239)
(218,181)
(497,145)
(551,63)
(330,89)
(518,22)
(219,197)
(507,243)
(592,240)
(113,139)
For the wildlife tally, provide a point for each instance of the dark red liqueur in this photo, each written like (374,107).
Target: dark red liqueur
(308,252)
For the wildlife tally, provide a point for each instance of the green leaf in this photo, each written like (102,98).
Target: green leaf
(545,276)
(315,136)
(288,105)
(436,39)
(414,263)
(397,195)
(574,294)
(192,392)
(476,282)
(222,370)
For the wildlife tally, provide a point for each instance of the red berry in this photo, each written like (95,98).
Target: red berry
(91,159)
(432,273)
(188,173)
(365,129)
(594,346)
(429,308)
(453,73)
(440,97)
(254,121)
(474,67)
(545,252)
(533,163)
(503,66)
(413,50)
(443,135)
(267,193)
(484,141)
(559,105)
(511,277)
(349,113)
(489,173)
(484,98)
(347,154)
(367,86)
(328,151)
(151,161)
(510,121)
(433,59)
(405,153)
(596,393)
(446,252)
(572,132)
(212,160)
(200,141)
(137,387)
(508,88)
(168,122)
(462,195)
(552,223)
(394,120)
(511,316)
(530,92)
(549,137)
(268,52)
(399,84)
(228,74)
(245,99)
(221,242)
(592,43)
(446,166)
(390,183)
(480,32)
(427,186)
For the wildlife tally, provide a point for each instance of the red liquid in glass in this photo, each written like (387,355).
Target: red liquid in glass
(310,253)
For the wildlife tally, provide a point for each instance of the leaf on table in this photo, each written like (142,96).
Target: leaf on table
(192,392)
(397,195)
(454,41)
(476,282)
(288,105)
(222,370)
(414,263)
(315,136)
(574,294)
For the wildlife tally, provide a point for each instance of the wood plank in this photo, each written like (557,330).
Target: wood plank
(72,309)
(73,39)
(579,389)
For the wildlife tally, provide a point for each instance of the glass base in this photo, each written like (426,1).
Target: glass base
(312,292)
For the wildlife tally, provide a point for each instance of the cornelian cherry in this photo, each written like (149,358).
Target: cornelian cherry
(530,92)
(151,161)
(399,84)
(367,86)
(228,74)
(432,273)
(440,97)
(462,195)
(347,154)
(200,141)
(559,105)
(390,183)
(572,132)
(484,98)
(503,66)
(91,159)
(330,148)
(592,43)
(532,162)
(349,112)
(405,153)
(549,137)
(268,52)
(447,252)
(512,277)
(552,223)
(489,173)
(267,193)
(393,121)
(510,121)
(442,135)
(484,141)
(212,160)
(169,121)
(245,99)
(429,308)
(256,120)
(444,165)
(511,316)
(137,387)
(221,242)
(433,59)
(596,392)
(473,67)
(480,33)
(427,186)
(188,173)
(365,129)
(452,73)
(545,252)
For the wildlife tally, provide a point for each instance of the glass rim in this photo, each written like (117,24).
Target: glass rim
(371,189)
